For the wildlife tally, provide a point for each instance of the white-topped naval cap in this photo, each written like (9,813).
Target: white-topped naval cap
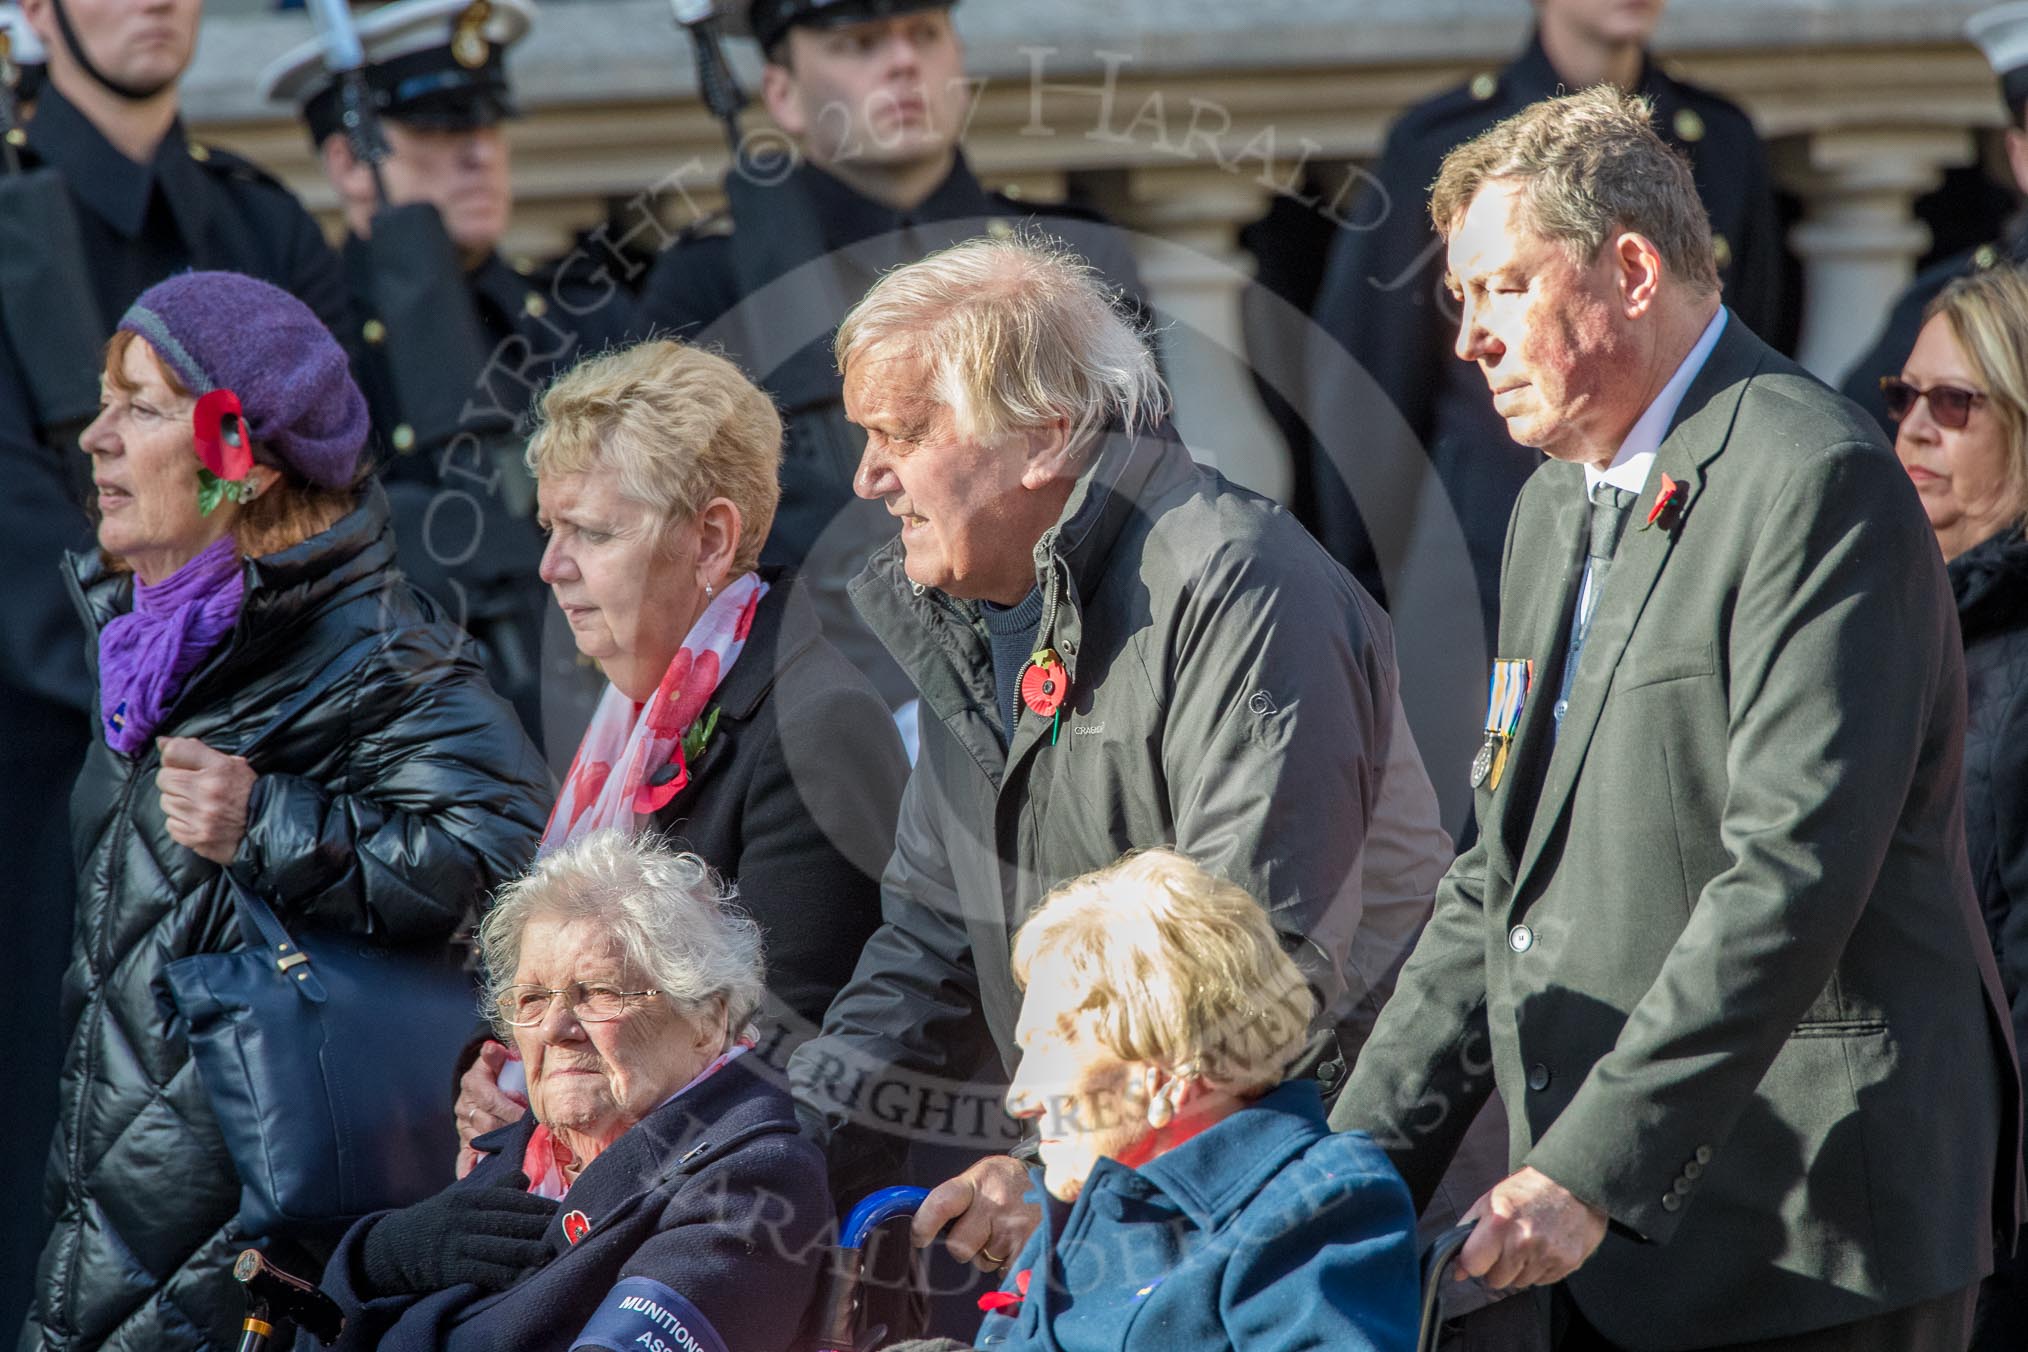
(402,29)
(2002,34)
(25,46)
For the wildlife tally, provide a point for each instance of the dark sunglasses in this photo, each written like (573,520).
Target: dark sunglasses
(1950,405)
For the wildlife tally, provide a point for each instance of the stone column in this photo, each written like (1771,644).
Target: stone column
(1186,222)
(1858,240)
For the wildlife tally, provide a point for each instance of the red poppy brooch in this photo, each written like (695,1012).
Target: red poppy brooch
(1044,686)
(1668,508)
(223,451)
(1007,1302)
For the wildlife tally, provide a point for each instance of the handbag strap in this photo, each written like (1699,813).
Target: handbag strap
(288,956)
(275,940)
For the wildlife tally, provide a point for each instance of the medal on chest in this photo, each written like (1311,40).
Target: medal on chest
(1504,701)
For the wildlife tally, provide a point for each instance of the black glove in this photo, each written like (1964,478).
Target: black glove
(486,1236)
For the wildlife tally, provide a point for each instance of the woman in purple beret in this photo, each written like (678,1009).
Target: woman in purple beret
(242,556)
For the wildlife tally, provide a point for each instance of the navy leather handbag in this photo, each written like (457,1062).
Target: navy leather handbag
(327,1058)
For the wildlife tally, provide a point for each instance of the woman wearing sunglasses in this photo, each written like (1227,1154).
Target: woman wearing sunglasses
(1961,405)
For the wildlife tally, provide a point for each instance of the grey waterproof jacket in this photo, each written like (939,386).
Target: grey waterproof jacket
(1233,693)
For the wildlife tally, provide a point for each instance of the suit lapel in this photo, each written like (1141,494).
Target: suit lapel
(1540,607)
(1702,425)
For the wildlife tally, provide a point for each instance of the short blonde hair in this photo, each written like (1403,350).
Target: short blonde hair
(669,913)
(1988,314)
(678,425)
(1177,968)
(1587,165)
(1017,332)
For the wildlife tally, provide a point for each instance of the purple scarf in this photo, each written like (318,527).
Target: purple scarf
(146,654)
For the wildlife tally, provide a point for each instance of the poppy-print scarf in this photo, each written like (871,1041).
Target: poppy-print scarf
(644,742)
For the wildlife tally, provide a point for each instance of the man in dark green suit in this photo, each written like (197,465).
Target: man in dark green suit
(1717,943)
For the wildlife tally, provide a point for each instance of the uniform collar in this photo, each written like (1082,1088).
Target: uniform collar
(850,216)
(113,186)
(1531,78)
(1217,1172)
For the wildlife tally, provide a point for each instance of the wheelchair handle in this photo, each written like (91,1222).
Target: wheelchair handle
(1437,1262)
(876,1208)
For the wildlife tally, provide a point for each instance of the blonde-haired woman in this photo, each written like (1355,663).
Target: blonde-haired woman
(730,724)
(1961,409)
(1196,1198)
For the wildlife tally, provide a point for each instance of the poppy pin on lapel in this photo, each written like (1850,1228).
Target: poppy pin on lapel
(1668,508)
(1044,686)
(576,1225)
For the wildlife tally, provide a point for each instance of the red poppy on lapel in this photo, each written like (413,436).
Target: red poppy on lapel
(1045,683)
(1007,1302)
(1668,502)
(576,1225)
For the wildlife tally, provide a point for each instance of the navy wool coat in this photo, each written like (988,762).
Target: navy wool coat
(710,1212)
(1265,1231)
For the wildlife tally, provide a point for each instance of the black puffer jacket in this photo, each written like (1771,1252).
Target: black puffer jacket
(391,806)
(1990,581)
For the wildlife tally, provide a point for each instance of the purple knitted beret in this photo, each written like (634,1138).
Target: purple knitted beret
(223,330)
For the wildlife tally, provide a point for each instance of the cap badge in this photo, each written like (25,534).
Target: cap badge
(468,40)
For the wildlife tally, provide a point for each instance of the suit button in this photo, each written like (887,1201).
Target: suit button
(1682,1186)
(1704,1154)
(1671,1202)
(1538,1077)
(1520,938)
(1693,1170)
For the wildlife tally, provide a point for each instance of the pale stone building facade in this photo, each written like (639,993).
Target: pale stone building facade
(1183,117)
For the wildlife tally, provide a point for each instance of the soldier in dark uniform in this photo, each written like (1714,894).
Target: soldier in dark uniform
(1384,298)
(110,197)
(2002,34)
(453,340)
(872,93)
(24,49)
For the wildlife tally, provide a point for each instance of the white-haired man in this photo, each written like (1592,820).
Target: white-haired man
(1114,648)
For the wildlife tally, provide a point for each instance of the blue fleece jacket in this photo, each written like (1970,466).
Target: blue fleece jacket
(1264,1232)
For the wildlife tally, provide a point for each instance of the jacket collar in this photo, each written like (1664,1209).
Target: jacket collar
(784,625)
(937,640)
(1215,1174)
(355,555)
(1699,432)
(1990,582)
(688,1133)
(116,188)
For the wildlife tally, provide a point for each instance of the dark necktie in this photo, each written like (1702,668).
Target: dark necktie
(1609,508)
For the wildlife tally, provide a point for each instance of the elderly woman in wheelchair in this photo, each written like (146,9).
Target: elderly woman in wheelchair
(1194,1199)
(658,1186)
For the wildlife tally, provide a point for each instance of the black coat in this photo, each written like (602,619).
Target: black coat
(391,807)
(1990,581)
(794,799)
(1383,301)
(191,206)
(739,1234)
